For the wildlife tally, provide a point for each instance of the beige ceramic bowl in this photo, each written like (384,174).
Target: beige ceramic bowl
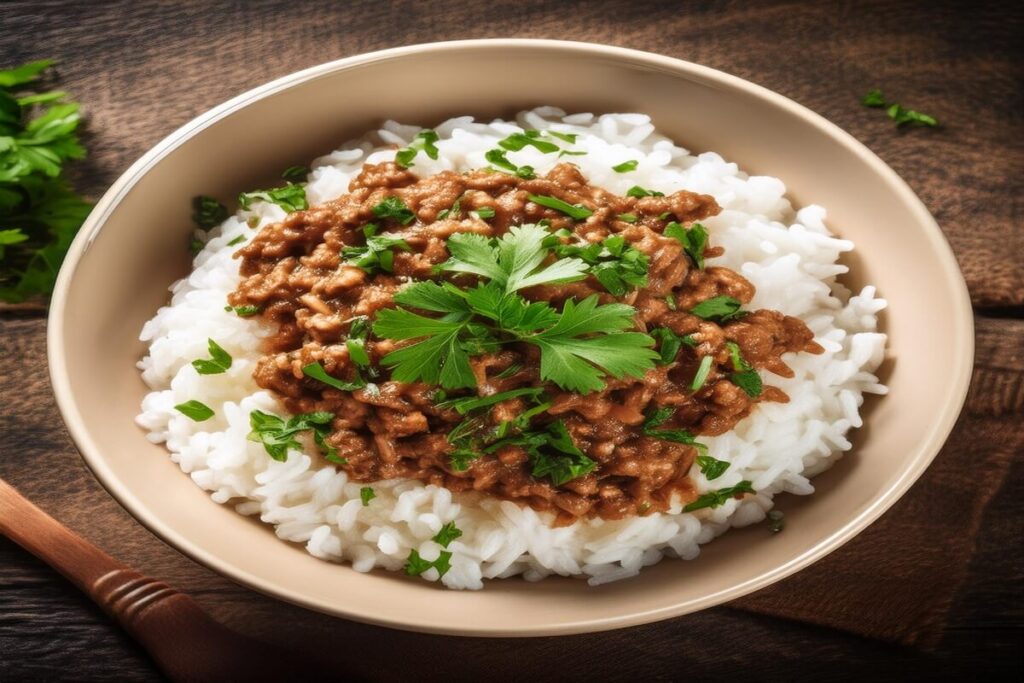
(132,247)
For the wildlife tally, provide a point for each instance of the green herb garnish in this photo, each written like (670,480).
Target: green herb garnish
(702,373)
(424,141)
(195,410)
(715,498)
(616,264)
(243,311)
(219,361)
(669,344)
(316,371)
(366,494)
(694,240)
(625,166)
(278,435)
(659,416)
(745,376)
(484,212)
(39,212)
(711,468)
(376,255)
(567,137)
(296,174)
(637,191)
(448,533)
(517,141)
(575,211)
(416,565)
(395,209)
(718,308)
(465,405)
(627,217)
(498,158)
(897,112)
(236,241)
(290,198)
(451,212)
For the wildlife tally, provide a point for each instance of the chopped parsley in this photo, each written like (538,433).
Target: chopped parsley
(358,332)
(195,410)
(451,212)
(378,254)
(897,112)
(484,212)
(316,371)
(416,565)
(465,405)
(236,241)
(219,361)
(207,212)
(243,311)
(669,343)
(718,308)
(424,141)
(278,435)
(711,468)
(637,191)
(448,533)
(703,370)
(552,452)
(498,159)
(713,499)
(627,217)
(625,166)
(567,137)
(659,416)
(616,264)
(579,344)
(694,240)
(575,211)
(366,494)
(296,174)
(517,141)
(745,376)
(290,198)
(395,209)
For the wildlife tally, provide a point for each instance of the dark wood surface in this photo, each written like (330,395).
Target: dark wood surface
(143,68)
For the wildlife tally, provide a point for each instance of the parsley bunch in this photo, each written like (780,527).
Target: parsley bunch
(579,345)
(39,212)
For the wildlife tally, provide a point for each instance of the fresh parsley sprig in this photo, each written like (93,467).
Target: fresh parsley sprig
(424,141)
(616,264)
(656,417)
(694,240)
(278,435)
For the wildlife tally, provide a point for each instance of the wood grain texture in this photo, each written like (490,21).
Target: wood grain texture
(143,68)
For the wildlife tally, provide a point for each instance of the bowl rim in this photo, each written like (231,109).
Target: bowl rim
(929,444)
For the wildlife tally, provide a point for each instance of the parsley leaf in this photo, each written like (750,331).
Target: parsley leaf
(290,198)
(628,217)
(440,358)
(745,377)
(316,371)
(517,141)
(553,454)
(713,499)
(659,416)
(637,191)
(694,240)
(366,494)
(208,212)
(466,404)
(236,241)
(394,208)
(416,565)
(904,116)
(616,264)
(574,211)
(498,158)
(711,468)
(448,533)
(376,255)
(625,166)
(195,410)
(424,141)
(484,212)
(567,137)
(719,308)
(669,343)
(278,435)
(219,362)
(243,311)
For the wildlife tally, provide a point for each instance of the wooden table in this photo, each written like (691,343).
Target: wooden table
(144,68)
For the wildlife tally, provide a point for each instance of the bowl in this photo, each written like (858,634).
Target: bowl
(132,247)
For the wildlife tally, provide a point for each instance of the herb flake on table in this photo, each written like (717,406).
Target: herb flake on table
(897,112)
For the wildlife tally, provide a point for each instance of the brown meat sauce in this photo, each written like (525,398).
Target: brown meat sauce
(294,273)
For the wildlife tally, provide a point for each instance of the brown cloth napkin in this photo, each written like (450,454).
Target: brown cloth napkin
(897,580)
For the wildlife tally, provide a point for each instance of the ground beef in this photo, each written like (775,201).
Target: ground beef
(294,273)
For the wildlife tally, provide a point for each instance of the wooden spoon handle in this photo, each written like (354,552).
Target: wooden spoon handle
(185,642)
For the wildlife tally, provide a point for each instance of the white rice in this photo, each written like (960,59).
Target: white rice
(790,257)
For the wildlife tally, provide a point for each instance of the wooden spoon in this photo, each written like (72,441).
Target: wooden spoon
(183,640)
